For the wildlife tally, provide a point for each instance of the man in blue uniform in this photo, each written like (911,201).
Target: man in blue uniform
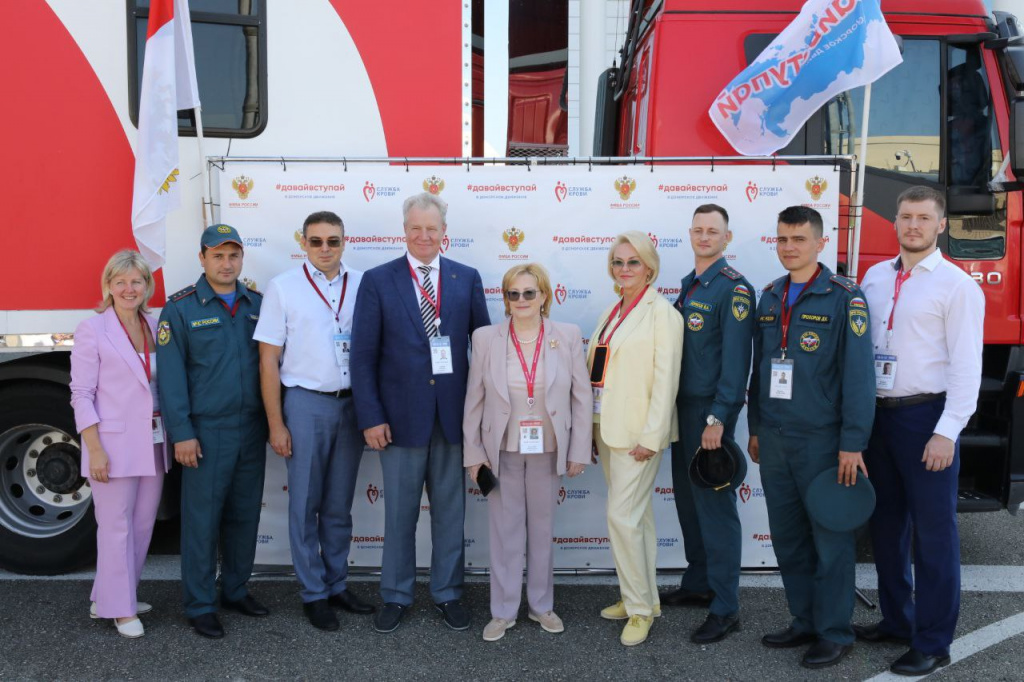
(716,304)
(812,401)
(210,396)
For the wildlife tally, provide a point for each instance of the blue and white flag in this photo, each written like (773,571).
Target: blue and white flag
(832,46)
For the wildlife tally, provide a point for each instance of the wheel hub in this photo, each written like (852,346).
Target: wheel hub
(57,468)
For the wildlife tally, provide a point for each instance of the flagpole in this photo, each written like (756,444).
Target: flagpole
(203,170)
(857,206)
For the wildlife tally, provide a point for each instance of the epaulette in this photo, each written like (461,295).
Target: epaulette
(252,289)
(730,273)
(768,286)
(844,282)
(187,291)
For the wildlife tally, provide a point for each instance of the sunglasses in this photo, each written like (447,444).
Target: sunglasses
(527,295)
(317,242)
(632,264)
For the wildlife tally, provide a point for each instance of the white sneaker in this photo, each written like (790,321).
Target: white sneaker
(131,629)
(140,608)
(495,630)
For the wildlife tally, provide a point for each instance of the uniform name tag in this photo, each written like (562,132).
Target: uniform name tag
(342,349)
(158,429)
(700,305)
(598,390)
(531,436)
(885,371)
(441,354)
(208,322)
(817,319)
(781,386)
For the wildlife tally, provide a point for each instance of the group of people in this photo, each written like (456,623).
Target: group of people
(329,360)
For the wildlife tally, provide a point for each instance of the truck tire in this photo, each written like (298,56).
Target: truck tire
(47,526)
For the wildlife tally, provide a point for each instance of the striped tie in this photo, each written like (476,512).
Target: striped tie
(427,310)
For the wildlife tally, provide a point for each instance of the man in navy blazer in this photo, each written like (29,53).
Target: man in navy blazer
(410,359)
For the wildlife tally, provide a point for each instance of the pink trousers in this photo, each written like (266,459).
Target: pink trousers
(522,519)
(125,513)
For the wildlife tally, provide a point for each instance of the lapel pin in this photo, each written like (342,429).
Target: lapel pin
(554,343)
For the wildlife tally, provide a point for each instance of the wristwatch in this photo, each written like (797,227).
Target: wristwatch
(714,421)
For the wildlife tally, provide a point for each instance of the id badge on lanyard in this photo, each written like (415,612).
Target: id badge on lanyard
(158,429)
(885,371)
(531,436)
(441,354)
(343,349)
(781,387)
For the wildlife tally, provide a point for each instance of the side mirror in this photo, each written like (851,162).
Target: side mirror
(606,124)
(1017,137)
(969,201)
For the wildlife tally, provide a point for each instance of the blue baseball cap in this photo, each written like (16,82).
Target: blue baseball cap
(215,235)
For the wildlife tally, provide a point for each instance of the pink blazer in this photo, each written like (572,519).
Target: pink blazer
(109,388)
(568,396)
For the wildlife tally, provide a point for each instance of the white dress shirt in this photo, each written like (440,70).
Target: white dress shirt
(293,316)
(937,334)
(435,274)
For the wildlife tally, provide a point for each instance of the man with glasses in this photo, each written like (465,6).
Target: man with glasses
(410,361)
(715,302)
(305,332)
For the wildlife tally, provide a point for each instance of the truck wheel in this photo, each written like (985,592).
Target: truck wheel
(46,521)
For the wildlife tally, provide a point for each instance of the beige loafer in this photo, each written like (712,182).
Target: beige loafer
(495,630)
(549,622)
(617,611)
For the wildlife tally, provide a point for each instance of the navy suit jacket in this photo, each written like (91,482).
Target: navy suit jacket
(392,379)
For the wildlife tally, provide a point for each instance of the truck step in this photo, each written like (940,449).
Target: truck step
(972,501)
(982,440)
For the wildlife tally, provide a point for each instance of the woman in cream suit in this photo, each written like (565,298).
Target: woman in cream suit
(113,393)
(528,419)
(634,359)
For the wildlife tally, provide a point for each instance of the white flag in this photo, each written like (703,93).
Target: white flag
(832,46)
(168,84)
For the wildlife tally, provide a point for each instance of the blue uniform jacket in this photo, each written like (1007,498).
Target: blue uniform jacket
(833,370)
(719,320)
(392,379)
(207,361)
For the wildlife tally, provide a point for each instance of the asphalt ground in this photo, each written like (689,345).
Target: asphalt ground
(47,634)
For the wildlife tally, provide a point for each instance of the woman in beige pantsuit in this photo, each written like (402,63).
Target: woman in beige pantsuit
(528,418)
(634,357)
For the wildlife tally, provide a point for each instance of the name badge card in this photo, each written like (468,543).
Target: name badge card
(441,354)
(781,386)
(158,430)
(598,390)
(885,371)
(342,349)
(531,436)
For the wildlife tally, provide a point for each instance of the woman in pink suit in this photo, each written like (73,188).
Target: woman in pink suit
(528,419)
(114,395)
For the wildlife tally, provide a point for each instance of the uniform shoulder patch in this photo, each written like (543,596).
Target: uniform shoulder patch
(730,273)
(741,289)
(844,282)
(163,333)
(187,291)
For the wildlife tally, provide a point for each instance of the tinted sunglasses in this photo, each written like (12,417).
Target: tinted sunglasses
(527,295)
(317,242)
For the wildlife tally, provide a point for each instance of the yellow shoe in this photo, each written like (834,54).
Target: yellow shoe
(617,611)
(636,630)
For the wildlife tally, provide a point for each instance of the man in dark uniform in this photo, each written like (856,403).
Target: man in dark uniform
(715,302)
(811,408)
(209,385)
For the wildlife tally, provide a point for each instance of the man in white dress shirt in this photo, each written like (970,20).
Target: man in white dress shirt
(927,318)
(305,332)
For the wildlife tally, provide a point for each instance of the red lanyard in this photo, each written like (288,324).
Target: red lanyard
(601,338)
(531,375)
(787,311)
(901,277)
(689,294)
(145,346)
(233,309)
(436,305)
(344,288)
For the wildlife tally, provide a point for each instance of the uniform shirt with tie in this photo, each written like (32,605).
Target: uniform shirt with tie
(295,317)
(434,275)
(937,334)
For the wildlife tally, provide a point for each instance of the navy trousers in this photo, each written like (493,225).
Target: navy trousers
(916,508)
(406,470)
(712,536)
(326,450)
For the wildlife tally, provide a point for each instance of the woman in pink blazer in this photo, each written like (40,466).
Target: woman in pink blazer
(528,419)
(114,395)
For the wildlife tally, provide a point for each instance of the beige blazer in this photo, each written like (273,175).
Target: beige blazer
(638,405)
(567,395)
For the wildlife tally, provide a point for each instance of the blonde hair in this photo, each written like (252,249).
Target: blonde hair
(120,263)
(537,271)
(644,249)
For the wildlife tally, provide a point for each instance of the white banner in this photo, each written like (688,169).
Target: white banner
(563,217)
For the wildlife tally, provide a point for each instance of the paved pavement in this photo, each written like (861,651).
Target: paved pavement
(47,633)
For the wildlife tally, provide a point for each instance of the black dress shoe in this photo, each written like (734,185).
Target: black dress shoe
(787,639)
(247,606)
(715,628)
(875,635)
(348,601)
(455,615)
(208,625)
(683,597)
(389,617)
(320,615)
(824,653)
(915,663)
